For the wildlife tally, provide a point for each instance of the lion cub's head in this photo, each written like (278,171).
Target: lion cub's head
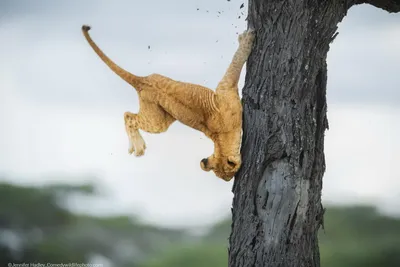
(226,160)
(225,167)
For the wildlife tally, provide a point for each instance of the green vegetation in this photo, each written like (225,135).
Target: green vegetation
(35,226)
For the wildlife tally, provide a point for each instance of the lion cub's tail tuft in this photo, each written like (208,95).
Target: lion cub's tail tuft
(86,28)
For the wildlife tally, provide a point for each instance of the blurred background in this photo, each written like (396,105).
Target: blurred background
(69,190)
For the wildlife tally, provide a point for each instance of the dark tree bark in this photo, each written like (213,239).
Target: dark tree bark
(277,208)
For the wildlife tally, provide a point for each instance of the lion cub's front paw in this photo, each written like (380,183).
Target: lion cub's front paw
(247,37)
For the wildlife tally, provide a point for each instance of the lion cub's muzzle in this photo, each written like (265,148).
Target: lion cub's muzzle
(204,165)
(224,172)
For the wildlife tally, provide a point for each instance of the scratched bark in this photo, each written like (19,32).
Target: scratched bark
(277,207)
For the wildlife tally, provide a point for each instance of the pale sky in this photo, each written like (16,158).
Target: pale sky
(61,108)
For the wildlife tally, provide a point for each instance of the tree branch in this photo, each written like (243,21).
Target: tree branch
(391,6)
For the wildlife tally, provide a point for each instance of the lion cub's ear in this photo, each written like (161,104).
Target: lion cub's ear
(234,161)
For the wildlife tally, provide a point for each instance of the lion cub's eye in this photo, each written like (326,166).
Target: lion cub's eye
(231,163)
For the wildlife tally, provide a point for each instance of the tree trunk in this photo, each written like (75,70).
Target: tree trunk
(277,208)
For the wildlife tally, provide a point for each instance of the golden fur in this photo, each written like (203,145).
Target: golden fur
(163,100)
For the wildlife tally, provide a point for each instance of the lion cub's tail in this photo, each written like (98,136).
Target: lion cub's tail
(133,80)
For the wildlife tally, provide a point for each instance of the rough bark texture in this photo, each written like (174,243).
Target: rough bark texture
(277,207)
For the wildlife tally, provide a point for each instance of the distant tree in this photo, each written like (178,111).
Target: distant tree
(277,207)
(31,224)
(36,226)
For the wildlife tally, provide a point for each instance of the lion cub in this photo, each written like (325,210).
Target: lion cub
(218,114)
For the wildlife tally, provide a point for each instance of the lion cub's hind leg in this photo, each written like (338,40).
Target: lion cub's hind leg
(136,142)
(151,118)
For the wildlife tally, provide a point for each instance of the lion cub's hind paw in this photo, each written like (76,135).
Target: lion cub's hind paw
(131,147)
(140,147)
(140,152)
(137,146)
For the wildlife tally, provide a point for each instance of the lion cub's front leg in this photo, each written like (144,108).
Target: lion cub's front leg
(246,40)
(231,78)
